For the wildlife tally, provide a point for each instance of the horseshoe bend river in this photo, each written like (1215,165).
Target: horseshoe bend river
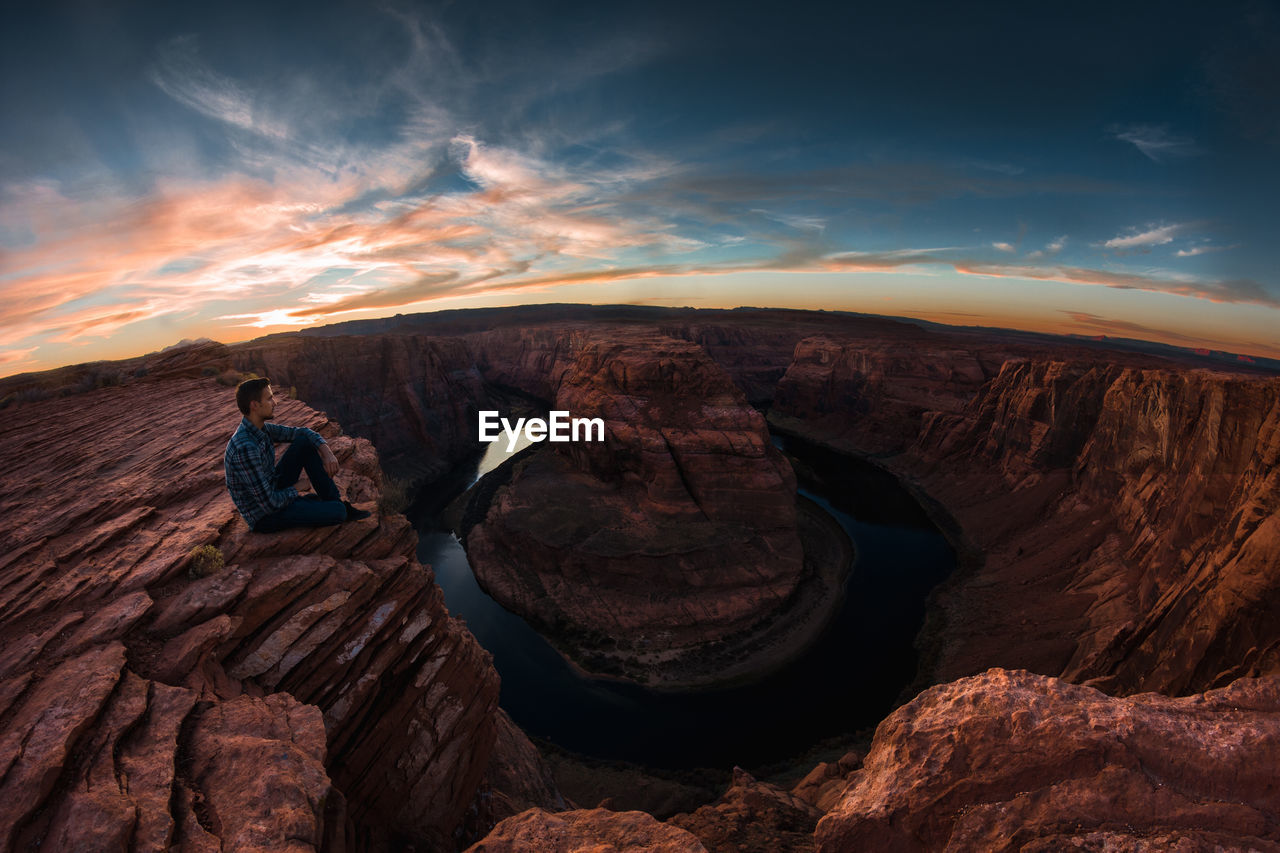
(847,680)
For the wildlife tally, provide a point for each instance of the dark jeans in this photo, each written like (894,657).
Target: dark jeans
(324,507)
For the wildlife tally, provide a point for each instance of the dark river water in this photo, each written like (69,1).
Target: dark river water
(847,681)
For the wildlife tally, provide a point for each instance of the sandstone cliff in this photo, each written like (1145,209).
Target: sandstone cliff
(1124,510)
(678,530)
(1143,551)
(872,395)
(1015,761)
(1006,760)
(312,694)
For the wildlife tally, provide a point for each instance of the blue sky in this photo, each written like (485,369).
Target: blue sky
(171,171)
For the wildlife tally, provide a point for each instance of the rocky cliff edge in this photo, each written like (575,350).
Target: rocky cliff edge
(311,694)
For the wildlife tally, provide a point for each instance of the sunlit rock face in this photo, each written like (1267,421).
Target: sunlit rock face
(1008,760)
(678,529)
(586,829)
(1146,536)
(313,689)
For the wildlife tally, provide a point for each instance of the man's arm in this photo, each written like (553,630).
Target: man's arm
(278,433)
(283,433)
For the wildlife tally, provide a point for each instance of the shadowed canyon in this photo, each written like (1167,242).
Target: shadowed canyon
(1100,671)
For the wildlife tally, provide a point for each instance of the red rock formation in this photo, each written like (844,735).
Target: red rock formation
(1124,510)
(872,394)
(595,829)
(314,694)
(677,530)
(753,817)
(1128,518)
(824,785)
(517,779)
(1015,761)
(755,355)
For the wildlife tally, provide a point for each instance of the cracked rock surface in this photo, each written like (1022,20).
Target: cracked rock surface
(313,694)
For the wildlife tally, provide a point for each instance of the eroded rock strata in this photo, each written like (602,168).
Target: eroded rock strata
(676,531)
(1125,511)
(1129,522)
(1008,760)
(588,829)
(314,693)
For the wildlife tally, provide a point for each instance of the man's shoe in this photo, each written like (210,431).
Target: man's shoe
(354,514)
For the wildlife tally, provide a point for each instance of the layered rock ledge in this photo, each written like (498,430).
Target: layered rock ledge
(313,694)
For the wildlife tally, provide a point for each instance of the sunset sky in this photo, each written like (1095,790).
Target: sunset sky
(227,170)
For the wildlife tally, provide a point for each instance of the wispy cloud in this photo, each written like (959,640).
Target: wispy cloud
(995,166)
(1095,324)
(1154,235)
(1004,247)
(94,270)
(1202,250)
(1214,290)
(274,317)
(1156,141)
(16,356)
(1052,248)
(182,75)
(798,222)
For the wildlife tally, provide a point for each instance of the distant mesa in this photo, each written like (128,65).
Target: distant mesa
(188,342)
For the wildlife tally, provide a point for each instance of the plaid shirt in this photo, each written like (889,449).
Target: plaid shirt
(250,463)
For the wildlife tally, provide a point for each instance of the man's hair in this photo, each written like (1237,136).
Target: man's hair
(248,391)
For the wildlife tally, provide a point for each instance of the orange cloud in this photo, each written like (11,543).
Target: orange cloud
(305,247)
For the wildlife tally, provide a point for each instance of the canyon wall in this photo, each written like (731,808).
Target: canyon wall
(1122,507)
(1171,489)
(1125,510)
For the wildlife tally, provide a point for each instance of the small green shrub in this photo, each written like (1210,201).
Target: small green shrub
(107,379)
(35,395)
(234,377)
(208,370)
(205,560)
(395,496)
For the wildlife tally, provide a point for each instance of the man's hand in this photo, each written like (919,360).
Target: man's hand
(329,461)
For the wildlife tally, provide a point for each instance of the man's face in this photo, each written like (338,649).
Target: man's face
(267,404)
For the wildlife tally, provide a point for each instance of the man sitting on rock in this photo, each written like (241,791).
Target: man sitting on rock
(261,488)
